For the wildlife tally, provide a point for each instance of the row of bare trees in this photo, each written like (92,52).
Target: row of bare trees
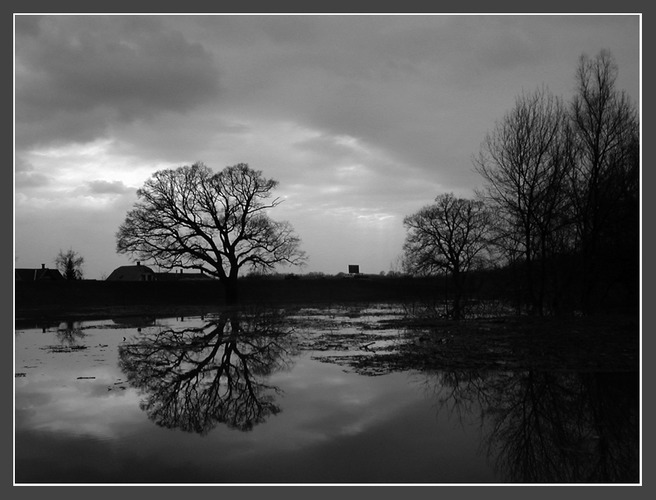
(560,203)
(559,207)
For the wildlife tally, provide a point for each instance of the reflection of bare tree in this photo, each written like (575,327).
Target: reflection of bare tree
(550,427)
(69,332)
(546,413)
(539,426)
(196,377)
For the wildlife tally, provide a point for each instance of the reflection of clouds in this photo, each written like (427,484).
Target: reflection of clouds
(80,407)
(321,404)
(52,398)
(330,420)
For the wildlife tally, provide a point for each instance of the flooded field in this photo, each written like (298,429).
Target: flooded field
(308,395)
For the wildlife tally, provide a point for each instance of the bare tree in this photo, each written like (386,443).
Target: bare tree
(70,263)
(193,218)
(525,161)
(605,178)
(447,236)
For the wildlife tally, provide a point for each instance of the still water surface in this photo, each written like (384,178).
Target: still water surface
(300,397)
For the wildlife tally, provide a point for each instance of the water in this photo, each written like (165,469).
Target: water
(309,396)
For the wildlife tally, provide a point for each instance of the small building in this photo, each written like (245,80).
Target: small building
(132,273)
(354,269)
(43,274)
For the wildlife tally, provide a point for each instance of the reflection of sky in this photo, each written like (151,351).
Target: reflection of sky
(316,390)
(77,391)
(335,426)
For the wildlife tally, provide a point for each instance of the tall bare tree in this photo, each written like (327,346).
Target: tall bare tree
(524,162)
(193,218)
(448,236)
(605,177)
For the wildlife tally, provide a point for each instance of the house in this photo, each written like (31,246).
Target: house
(132,273)
(43,274)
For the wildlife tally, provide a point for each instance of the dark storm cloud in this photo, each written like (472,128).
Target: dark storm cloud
(77,75)
(393,82)
(412,86)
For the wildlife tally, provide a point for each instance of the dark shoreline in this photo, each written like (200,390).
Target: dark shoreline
(91,298)
(609,341)
(98,299)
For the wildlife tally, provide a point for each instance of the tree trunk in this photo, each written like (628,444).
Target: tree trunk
(457,299)
(231,291)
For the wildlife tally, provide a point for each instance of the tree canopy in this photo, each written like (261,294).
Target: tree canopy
(448,236)
(193,218)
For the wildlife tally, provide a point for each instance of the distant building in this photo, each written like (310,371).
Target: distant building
(43,274)
(354,269)
(132,273)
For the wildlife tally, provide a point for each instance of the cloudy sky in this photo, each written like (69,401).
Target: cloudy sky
(362,119)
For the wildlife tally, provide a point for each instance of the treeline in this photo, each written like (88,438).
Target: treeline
(560,206)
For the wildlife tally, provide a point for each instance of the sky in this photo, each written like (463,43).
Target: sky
(362,119)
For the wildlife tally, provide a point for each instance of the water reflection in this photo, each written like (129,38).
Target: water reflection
(546,427)
(69,333)
(360,392)
(194,378)
(539,426)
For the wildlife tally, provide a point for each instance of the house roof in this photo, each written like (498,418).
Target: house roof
(27,274)
(130,273)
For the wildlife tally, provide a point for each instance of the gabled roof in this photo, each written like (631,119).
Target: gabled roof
(27,274)
(132,273)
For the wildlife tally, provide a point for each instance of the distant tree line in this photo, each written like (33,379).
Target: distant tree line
(559,206)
